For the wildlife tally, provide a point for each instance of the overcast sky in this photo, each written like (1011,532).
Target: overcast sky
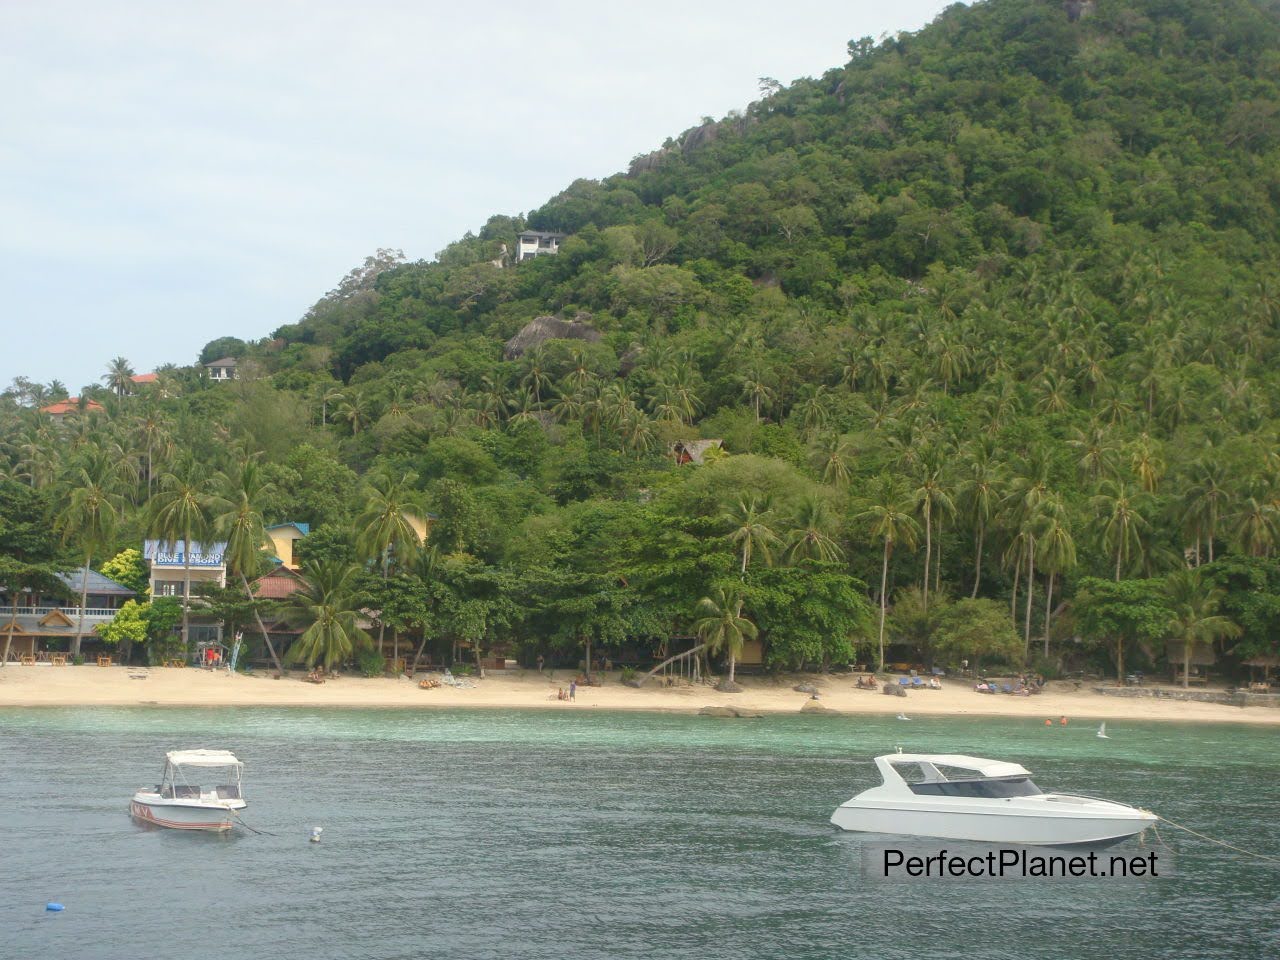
(174,172)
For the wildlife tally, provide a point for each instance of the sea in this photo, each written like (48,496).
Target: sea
(582,834)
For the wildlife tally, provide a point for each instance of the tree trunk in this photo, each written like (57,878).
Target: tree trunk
(732,663)
(884,585)
(1048,602)
(1120,660)
(261,628)
(13,622)
(479,665)
(977,564)
(1031,589)
(84,598)
(928,550)
(1013,603)
(186,593)
(1117,566)
(1186,665)
(937,563)
(587,646)
(417,657)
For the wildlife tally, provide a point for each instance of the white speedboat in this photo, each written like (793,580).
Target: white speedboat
(180,800)
(954,797)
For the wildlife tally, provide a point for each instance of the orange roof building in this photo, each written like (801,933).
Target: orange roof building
(71,405)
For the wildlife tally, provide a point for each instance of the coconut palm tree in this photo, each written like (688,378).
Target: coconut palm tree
(749,531)
(723,627)
(385,534)
(236,510)
(1120,520)
(810,538)
(119,376)
(326,609)
(1055,552)
(1207,499)
(886,514)
(90,516)
(179,513)
(1195,602)
(933,502)
(979,495)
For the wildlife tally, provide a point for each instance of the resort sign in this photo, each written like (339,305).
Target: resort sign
(162,554)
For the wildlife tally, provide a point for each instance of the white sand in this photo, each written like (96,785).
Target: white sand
(91,685)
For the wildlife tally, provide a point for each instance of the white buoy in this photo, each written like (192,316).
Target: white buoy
(315,834)
(1102,732)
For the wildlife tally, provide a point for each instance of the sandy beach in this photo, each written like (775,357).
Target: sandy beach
(90,685)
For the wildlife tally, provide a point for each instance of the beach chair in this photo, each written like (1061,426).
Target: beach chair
(904,681)
(917,682)
(1006,688)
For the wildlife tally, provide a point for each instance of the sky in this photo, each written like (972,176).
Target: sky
(171,173)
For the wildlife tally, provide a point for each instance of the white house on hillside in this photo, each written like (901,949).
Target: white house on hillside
(534,243)
(224,369)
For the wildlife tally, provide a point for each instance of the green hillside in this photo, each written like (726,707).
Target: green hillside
(986,320)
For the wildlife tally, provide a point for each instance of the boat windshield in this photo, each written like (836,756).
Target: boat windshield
(981,787)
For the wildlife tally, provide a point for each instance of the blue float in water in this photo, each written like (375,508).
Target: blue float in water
(54,907)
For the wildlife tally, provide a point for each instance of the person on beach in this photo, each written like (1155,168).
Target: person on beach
(540,663)
(1063,721)
(561,695)
(573,689)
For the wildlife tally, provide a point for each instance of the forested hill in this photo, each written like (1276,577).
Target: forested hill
(992,305)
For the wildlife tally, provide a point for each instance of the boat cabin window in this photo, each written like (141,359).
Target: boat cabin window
(981,787)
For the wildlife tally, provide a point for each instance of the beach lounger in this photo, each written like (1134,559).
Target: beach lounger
(1006,688)
(904,681)
(917,682)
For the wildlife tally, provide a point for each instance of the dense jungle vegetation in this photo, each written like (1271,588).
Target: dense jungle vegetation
(987,320)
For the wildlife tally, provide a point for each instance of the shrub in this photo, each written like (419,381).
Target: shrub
(371,663)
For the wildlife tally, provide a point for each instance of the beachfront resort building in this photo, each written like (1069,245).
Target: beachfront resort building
(222,370)
(171,571)
(537,243)
(47,623)
(284,536)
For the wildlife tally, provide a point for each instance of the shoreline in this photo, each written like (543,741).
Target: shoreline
(92,686)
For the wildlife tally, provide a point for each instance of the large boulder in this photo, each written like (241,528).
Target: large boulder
(541,329)
(805,687)
(738,712)
(728,686)
(813,706)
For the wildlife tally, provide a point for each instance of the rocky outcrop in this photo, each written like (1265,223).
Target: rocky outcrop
(729,712)
(728,686)
(541,329)
(805,687)
(813,706)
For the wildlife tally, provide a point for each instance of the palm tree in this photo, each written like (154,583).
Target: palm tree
(1119,515)
(887,515)
(809,538)
(119,376)
(1254,525)
(327,610)
(932,500)
(1206,499)
(179,513)
(89,518)
(836,454)
(1195,619)
(979,495)
(750,531)
(1055,552)
(354,409)
(723,627)
(237,518)
(385,533)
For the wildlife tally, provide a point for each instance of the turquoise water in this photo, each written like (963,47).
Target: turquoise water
(595,835)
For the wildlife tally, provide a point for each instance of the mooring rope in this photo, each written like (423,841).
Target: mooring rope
(236,814)
(1221,843)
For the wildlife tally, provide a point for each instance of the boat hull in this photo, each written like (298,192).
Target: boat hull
(184,816)
(1097,824)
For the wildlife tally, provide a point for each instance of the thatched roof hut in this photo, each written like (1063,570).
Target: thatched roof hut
(694,451)
(541,329)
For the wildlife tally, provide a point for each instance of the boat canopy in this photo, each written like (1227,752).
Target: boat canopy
(202,758)
(984,768)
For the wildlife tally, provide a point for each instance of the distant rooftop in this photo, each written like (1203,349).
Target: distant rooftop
(543,234)
(144,378)
(224,362)
(71,405)
(97,583)
(302,528)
